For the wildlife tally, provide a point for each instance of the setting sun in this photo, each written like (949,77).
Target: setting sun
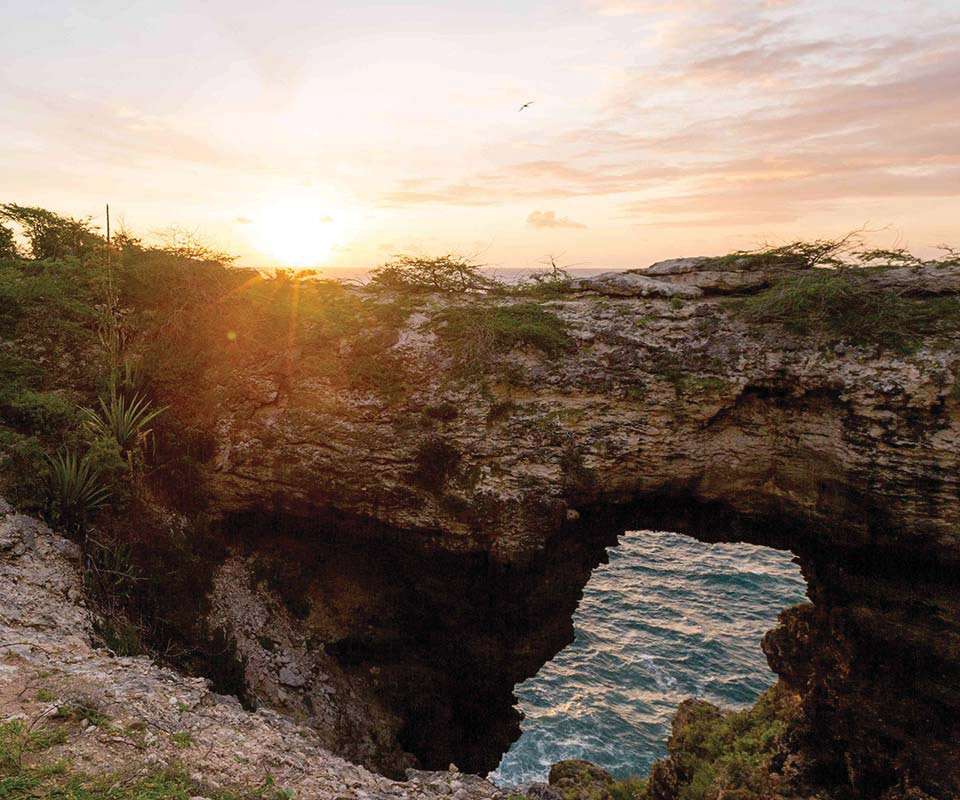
(296,234)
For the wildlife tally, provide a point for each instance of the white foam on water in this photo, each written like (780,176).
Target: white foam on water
(667,618)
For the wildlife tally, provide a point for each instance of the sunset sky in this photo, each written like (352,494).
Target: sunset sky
(296,133)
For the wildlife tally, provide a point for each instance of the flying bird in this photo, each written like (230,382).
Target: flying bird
(525,105)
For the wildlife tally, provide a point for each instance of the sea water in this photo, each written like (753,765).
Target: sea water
(668,618)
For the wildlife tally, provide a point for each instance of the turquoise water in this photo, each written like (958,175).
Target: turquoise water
(667,618)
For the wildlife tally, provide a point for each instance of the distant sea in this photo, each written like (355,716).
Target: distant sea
(505,274)
(668,618)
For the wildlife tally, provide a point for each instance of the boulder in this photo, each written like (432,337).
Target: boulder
(630,284)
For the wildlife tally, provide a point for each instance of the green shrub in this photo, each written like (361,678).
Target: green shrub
(76,490)
(842,305)
(23,471)
(448,274)
(628,789)
(30,410)
(732,753)
(16,739)
(105,456)
(182,738)
(83,708)
(119,635)
(795,255)
(550,284)
(477,334)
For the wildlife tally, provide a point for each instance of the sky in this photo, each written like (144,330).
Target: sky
(341,133)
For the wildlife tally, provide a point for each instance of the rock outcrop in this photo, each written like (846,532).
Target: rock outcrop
(136,718)
(466,509)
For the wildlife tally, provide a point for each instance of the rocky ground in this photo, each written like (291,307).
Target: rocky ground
(130,718)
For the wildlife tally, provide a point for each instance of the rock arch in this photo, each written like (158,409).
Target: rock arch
(679,417)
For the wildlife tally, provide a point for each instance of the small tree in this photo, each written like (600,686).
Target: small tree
(189,245)
(449,274)
(51,235)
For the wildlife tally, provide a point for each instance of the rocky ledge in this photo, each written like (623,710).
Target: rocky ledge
(68,705)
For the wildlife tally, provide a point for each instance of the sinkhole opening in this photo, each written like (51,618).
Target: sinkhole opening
(668,617)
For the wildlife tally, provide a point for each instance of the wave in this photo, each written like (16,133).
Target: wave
(667,618)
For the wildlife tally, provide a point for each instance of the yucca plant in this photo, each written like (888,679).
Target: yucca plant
(123,419)
(76,490)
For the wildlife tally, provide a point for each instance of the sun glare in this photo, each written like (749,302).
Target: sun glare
(296,234)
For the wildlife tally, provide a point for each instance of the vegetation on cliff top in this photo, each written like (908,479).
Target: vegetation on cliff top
(846,252)
(841,304)
(126,329)
(825,287)
(477,334)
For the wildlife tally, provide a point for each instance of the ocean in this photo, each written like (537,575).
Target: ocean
(508,275)
(667,618)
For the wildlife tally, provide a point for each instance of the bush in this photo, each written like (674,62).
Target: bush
(448,274)
(841,304)
(847,252)
(795,255)
(43,412)
(476,334)
(730,754)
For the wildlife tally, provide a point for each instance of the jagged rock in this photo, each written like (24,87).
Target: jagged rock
(677,266)
(915,280)
(628,284)
(663,783)
(718,275)
(719,281)
(290,678)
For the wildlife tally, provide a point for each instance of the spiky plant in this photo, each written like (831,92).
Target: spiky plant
(76,490)
(123,419)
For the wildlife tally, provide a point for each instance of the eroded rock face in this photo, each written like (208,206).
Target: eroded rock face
(398,652)
(683,418)
(150,718)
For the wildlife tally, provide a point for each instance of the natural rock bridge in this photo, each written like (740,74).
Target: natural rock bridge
(442,534)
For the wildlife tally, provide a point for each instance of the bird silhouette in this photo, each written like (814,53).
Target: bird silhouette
(525,105)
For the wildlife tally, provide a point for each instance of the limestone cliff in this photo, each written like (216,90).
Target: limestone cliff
(442,517)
